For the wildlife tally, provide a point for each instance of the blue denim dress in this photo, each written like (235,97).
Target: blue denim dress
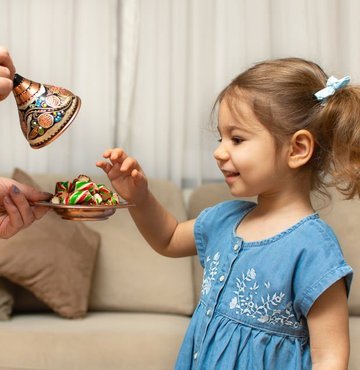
(255,296)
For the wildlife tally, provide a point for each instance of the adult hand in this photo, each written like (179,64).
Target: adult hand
(16,211)
(7,72)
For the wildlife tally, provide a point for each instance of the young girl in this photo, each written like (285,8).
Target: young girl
(274,294)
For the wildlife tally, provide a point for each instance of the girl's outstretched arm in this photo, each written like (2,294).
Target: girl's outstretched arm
(328,322)
(160,229)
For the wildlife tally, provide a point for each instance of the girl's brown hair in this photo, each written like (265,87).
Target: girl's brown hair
(281,93)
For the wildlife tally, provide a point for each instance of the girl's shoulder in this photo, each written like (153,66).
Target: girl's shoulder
(225,210)
(316,229)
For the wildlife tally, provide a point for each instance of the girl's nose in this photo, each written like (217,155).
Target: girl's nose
(220,154)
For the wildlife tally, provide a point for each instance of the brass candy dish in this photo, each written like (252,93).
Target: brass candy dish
(80,212)
(45,111)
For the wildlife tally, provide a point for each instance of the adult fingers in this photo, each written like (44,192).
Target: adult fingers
(5,73)
(32,194)
(15,221)
(39,212)
(6,61)
(22,204)
(6,86)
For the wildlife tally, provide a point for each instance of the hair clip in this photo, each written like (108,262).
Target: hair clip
(332,85)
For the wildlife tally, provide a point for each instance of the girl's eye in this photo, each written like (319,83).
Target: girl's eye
(237,140)
(219,140)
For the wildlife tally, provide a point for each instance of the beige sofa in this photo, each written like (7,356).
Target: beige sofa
(140,303)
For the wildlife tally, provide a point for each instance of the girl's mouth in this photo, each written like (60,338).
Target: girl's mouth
(230,176)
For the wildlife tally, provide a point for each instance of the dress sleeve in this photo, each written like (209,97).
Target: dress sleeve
(201,236)
(319,267)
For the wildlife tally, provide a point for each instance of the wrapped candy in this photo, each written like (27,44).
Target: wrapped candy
(97,198)
(82,178)
(65,199)
(80,197)
(83,191)
(113,200)
(104,192)
(55,200)
(86,185)
(63,186)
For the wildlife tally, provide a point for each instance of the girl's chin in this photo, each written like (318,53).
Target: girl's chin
(238,192)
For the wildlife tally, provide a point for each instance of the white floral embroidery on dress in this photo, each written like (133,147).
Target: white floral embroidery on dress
(264,308)
(210,271)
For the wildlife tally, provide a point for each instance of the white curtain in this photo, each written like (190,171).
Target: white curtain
(148,71)
(189,50)
(72,44)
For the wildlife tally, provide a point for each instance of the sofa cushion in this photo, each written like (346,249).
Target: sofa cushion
(54,259)
(102,341)
(354,361)
(6,300)
(343,216)
(129,275)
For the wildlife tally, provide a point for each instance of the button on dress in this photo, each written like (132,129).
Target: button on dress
(255,296)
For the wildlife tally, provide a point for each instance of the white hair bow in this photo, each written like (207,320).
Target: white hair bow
(332,85)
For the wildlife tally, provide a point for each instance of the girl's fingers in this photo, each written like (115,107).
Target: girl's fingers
(137,176)
(120,162)
(128,165)
(105,166)
(118,156)
(107,153)
(114,153)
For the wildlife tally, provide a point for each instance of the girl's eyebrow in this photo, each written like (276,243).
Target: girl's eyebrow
(234,126)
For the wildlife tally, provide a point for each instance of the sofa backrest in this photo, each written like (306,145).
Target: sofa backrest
(129,275)
(342,215)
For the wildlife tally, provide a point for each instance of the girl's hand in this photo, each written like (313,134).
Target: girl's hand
(7,72)
(161,230)
(125,174)
(16,211)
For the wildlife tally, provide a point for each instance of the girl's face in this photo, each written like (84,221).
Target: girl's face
(247,154)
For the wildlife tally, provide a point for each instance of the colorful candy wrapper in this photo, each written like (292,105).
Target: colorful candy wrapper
(63,186)
(104,192)
(79,197)
(55,200)
(83,191)
(113,200)
(82,178)
(86,185)
(97,198)
(65,200)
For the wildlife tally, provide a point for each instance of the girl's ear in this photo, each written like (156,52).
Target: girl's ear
(301,148)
